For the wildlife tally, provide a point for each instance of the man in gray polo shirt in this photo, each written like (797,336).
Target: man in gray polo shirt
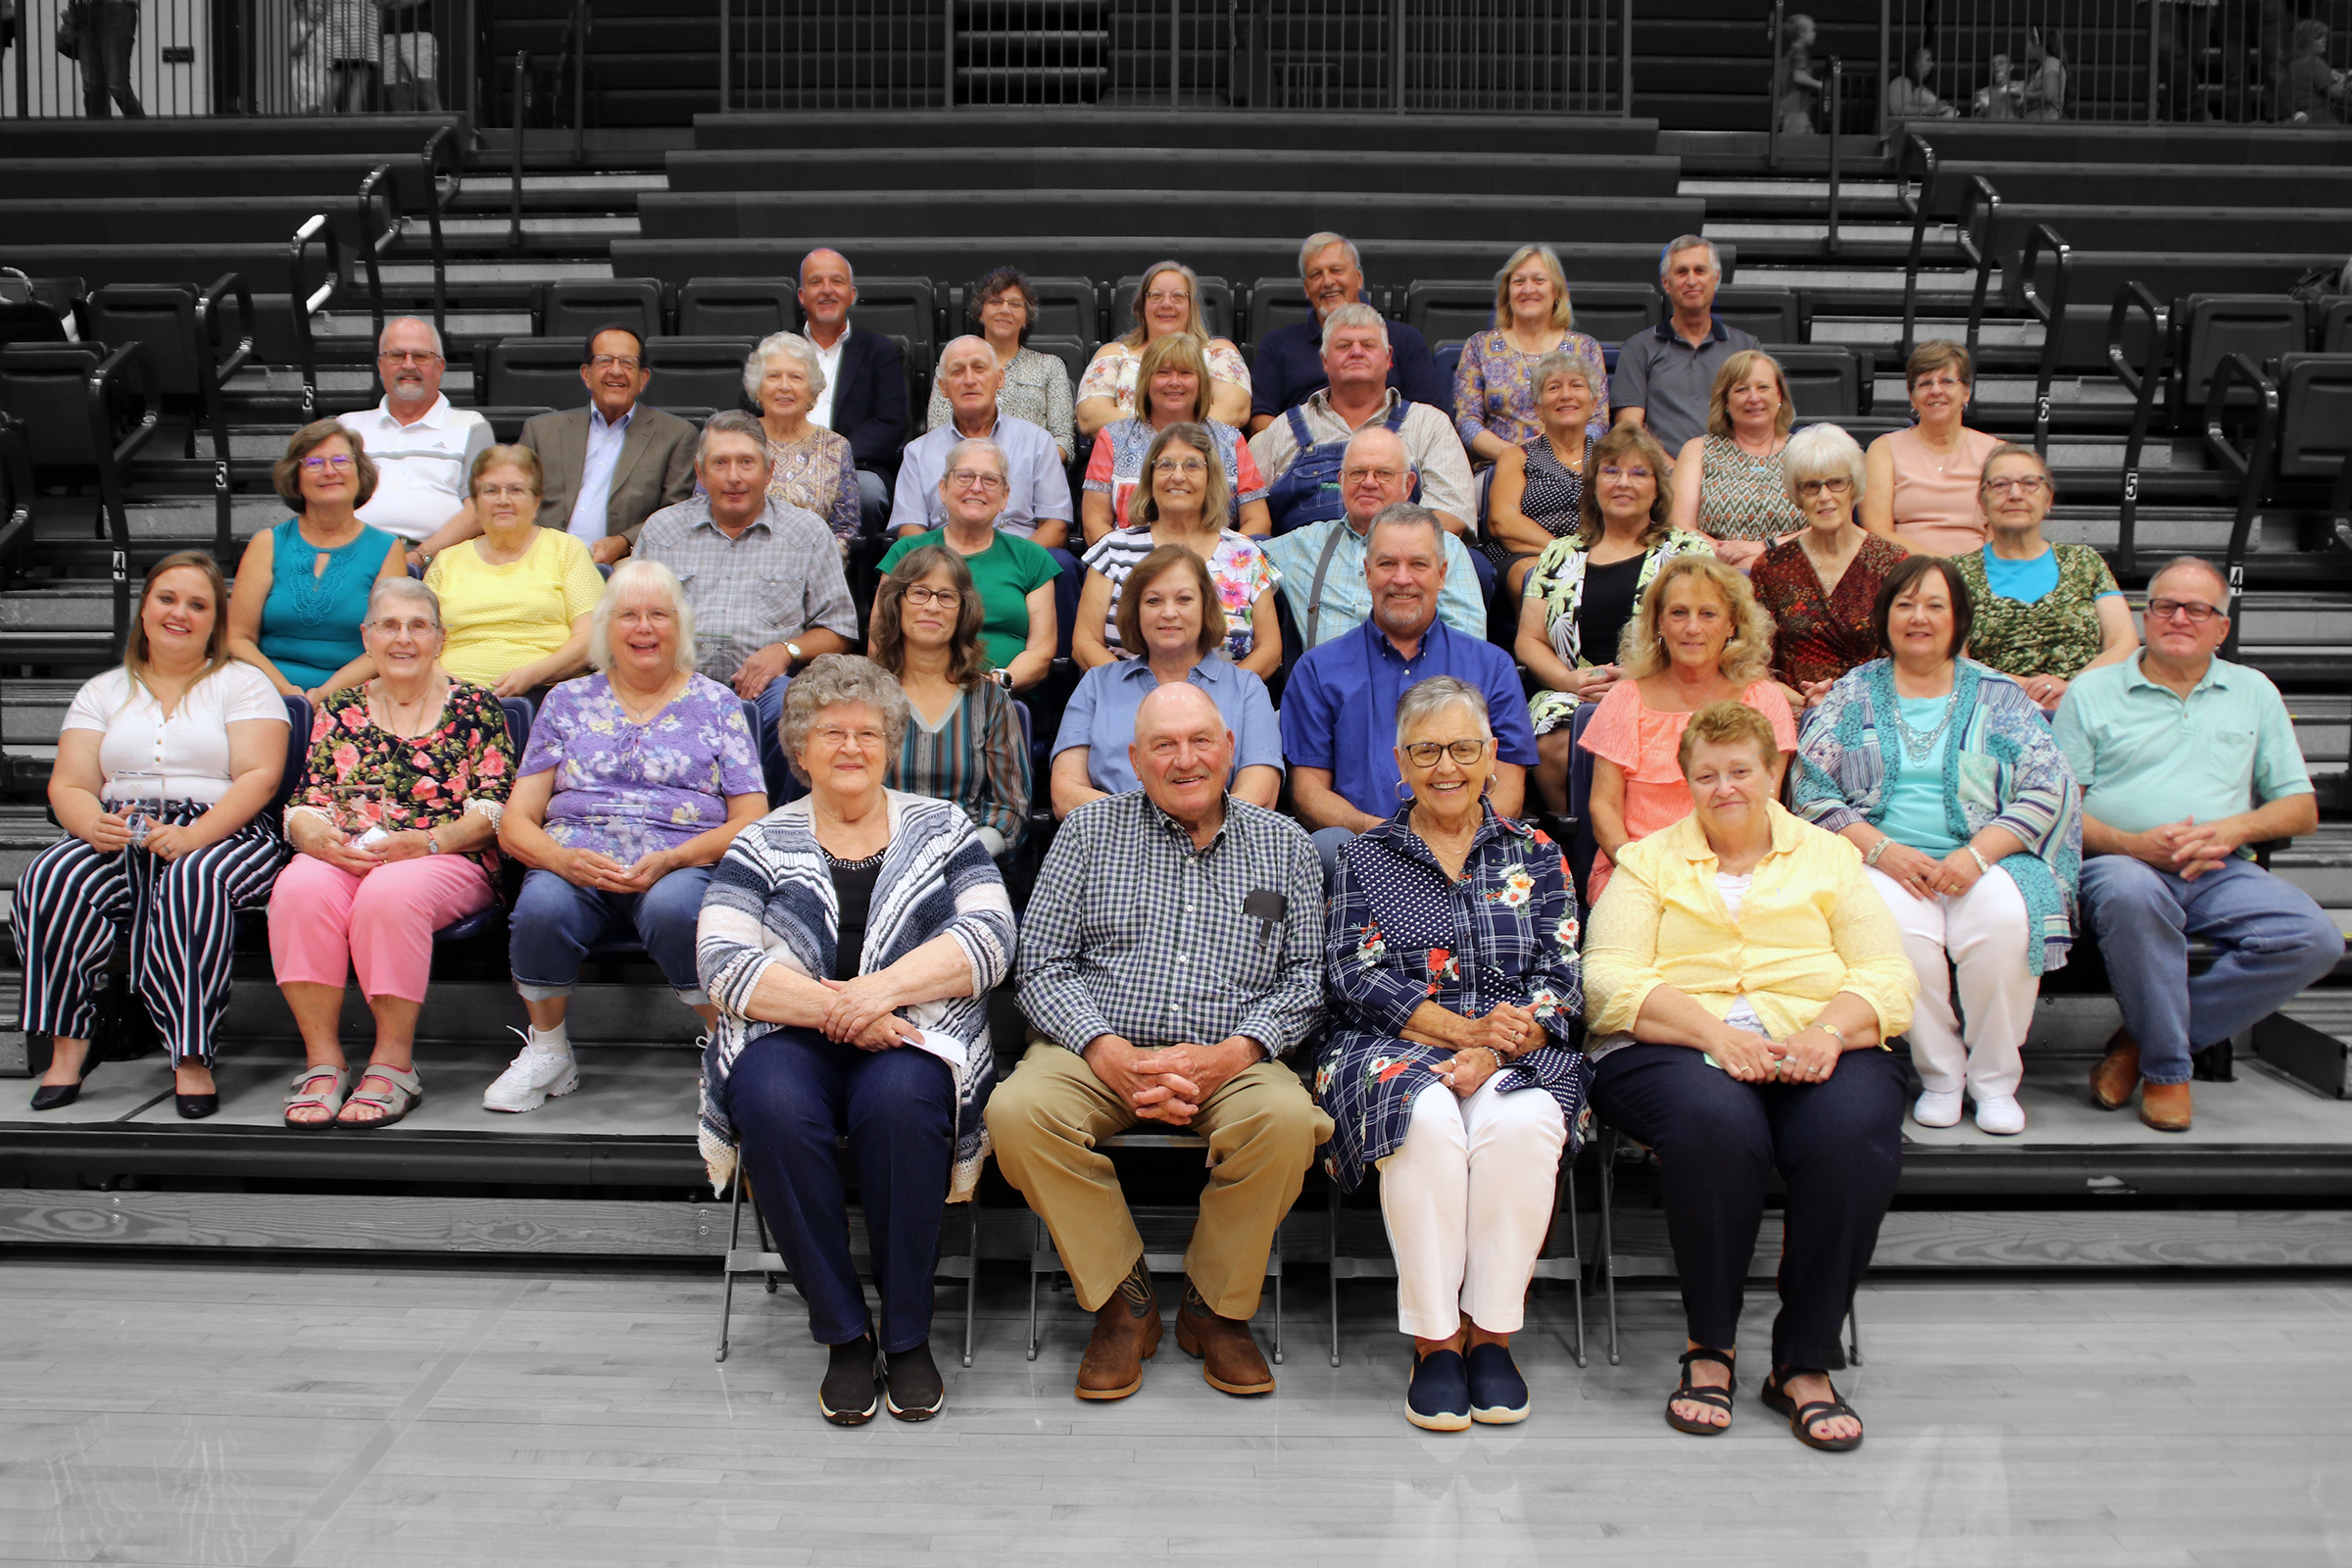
(1664,375)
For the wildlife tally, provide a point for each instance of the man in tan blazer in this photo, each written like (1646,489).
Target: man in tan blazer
(614,464)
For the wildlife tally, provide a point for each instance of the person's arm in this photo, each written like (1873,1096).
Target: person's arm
(1265,635)
(763,665)
(1877,510)
(704,848)
(1087,645)
(848,518)
(1367,982)
(876,440)
(245,600)
(1629,383)
(1689,473)
(361,669)
(257,760)
(1002,804)
(1605,808)
(1052,993)
(1072,786)
(1049,533)
(75,780)
(1258,784)
(565,663)
(1506,524)
(461,525)
(1095,516)
(1228,385)
(1470,405)
(910,505)
(1036,656)
(1508,792)
(1097,402)
(1253,520)
(1447,488)
(523,833)
(1319,805)
(1533,648)
(1059,421)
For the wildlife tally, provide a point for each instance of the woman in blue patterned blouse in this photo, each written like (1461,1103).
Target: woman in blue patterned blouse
(1451,966)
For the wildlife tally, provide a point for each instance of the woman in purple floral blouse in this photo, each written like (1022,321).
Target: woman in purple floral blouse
(1450,967)
(636,780)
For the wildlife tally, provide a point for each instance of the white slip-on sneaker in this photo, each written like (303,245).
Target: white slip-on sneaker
(1936,1109)
(2001,1115)
(530,1078)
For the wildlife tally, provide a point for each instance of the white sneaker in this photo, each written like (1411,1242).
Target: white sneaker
(1933,1109)
(2001,1115)
(530,1078)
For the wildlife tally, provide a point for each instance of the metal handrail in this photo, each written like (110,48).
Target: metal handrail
(2251,466)
(132,359)
(2141,382)
(2050,312)
(303,306)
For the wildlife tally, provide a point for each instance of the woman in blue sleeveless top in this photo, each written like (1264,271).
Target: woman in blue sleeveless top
(301,589)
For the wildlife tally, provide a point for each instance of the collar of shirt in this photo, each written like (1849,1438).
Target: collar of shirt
(767,519)
(1377,644)
(1319,404)
(1409,843)
(833,353)
(2217,672)
(433,418)
(1715,332)
(598,421)
(1182,835)
(1697,851)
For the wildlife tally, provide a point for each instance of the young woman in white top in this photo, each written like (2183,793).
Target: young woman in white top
(171,855)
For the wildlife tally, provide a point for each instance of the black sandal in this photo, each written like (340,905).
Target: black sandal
(1803,1416)
(1687,1392)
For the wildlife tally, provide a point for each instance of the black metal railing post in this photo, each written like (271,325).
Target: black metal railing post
(1625,62)
(523,93)
(579,81)
(1772,94)
(726,57)
(1837,104)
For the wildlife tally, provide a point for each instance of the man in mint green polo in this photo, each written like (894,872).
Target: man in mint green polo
(2185,759)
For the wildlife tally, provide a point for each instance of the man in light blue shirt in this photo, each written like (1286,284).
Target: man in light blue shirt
(607,467)
(1322,565)
(1038,505)
(1099,722)
(2184,758)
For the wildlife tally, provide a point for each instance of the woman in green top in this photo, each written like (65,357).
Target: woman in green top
(1015,577)
(2044,612)
(301,587)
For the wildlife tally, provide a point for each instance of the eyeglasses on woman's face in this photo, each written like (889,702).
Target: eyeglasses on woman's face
(394,626)
(338,461)
(1637,472)
(924,594)
(1825,487)
(1179,466)
(1425,753)
(833,737)
(2022,484)
(503,492)
(975,479)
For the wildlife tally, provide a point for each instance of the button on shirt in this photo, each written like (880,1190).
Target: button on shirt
(1345,597)
(779,576)
(588,520)
(1338,712)
(1670,381)
(2145,755)
(1132,932)
(1041,486)
(828,360)
(421,469)
(1100,716)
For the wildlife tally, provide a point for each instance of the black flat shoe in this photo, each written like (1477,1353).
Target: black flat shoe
(195,1108)
(56,1097)
(911,1388)
(847,1397)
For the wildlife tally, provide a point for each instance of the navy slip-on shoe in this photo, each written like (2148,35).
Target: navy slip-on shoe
(1497,1392)
(1439,1398)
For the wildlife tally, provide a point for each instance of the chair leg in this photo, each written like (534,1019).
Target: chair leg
(726,1293)
(1035,1225)
(971,1280)
(1334,1273)
(1607,1260)
(1277,1273)
(768,1242)
(1853,1335)
(1575,1255)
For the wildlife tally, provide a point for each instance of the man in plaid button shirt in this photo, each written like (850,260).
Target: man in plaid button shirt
(1170,957)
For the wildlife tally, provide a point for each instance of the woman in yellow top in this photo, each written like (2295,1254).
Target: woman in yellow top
(516,602)
(1740,975)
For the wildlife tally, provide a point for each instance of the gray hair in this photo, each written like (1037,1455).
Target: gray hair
(952,346)
(1558,364)
(755,368)
(1406,514)
(1822,451)
(430,329)
(406,588)
(2012,448)
(2197,564)
(731,421)
(634,578)
(1323,241)
(836,680)
(1426,699)
(975,443)
(1689,242)
(1357,315)
(800,273)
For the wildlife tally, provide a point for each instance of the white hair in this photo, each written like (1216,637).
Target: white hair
(1324,241)
(1357,315)
(638,577)
(1425,699)
(1822,451)
(975,443)
(408,588)
(953,345)
(755,368)
(431,332)
(1689,242)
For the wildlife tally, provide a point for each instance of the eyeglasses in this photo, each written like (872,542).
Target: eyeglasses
(1180,465)
(408,357)
(1160,296)
(945,598)
(1425,753)
(2025,484)
(975,478)
(503,492)
(1379,475)
(1937,383)
(340,462)
(1610,470)
(394,629)
(1821,488)
(2193,610)
(626,362)
(833,735)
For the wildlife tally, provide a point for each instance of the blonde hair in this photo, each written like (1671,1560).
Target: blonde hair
(1185,349)
(1736,369)
(640,576)
(1745,657)
(1563,316)
(1138,335)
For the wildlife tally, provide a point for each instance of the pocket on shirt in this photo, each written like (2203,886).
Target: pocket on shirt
(779,606)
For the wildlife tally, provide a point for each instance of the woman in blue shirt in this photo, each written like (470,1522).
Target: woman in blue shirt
(302,586)
(2044,612)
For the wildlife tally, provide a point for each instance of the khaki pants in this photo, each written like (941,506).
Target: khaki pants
(1262,1130)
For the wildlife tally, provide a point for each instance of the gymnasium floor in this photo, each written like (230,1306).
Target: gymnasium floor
(190,1409)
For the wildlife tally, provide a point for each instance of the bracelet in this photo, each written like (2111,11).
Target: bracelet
(1877,850)
(1983,866)
(1501,1060)
(1832,1031)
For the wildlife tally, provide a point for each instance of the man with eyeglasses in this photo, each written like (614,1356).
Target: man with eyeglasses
(763,578)
(1287,367)
(422,448)
(1665,378)
(2185,759)
(1037,497)
(1322,565)
(619,461)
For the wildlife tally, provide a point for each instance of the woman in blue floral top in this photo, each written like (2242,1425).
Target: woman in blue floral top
(1451,965)
(635,782)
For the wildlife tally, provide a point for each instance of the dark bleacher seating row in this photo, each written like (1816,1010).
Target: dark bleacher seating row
(1233,131)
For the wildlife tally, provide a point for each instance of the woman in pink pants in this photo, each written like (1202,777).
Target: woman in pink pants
(396,826)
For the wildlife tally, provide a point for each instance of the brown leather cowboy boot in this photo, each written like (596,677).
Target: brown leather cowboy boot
(2118,1073)
(2165,1107)
(1126,1333)
(1230,1360)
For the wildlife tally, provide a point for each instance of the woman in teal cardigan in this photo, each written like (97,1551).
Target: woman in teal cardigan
(301,587)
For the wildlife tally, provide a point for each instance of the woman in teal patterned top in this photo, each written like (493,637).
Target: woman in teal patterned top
(301,587)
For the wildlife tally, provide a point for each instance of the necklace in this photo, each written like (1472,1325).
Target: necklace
(662,697)
(840,864)
(392,712)
(1918,748)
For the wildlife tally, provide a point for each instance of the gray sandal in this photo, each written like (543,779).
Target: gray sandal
(331,1099)
(403,1092)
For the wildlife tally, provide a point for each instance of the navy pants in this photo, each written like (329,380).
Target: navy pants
(555,923)
(1839,1144)
(790,1093)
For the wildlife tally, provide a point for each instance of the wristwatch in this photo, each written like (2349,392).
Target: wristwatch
(792,653)
(432,844)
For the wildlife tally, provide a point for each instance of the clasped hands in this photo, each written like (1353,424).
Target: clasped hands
(344,855)
(600,874)
(2188,848)
(1172,1084)
(864,1013)
(1924,876)
(1807,1056)
(110,832)
(1508,1030)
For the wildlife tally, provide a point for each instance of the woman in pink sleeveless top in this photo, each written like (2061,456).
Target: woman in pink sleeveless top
(1921,486)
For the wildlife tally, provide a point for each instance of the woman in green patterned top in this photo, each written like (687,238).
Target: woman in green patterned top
(2044,612)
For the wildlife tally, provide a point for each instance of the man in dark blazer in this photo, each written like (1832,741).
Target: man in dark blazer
(619,461)
(864,397)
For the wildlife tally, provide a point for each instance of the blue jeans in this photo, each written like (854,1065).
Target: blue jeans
(2270,941)
(781,785)
(1329,842)
(555,923)
(790,1093)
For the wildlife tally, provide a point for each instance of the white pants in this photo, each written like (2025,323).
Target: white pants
(1983,933)
(1468,1197)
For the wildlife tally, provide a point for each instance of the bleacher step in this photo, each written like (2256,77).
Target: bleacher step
(2311,1040)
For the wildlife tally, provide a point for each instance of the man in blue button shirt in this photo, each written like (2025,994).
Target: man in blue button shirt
(2184,758)
(1339,712)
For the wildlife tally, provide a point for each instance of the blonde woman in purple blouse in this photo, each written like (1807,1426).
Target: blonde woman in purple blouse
(636,780)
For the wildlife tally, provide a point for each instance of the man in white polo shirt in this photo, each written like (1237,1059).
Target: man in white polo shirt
(424,449)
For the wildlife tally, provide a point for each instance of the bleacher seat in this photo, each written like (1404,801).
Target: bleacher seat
(904,307)
(1824,379)
(1773,317)
(574,306)
(1276,302)
(2332,332)
(752,308)
(699,372)
(179,326)
(1072,352)
(1448,310)
(532,372)
(2315,416)
(2207,327)
(86,413)
(1611,313)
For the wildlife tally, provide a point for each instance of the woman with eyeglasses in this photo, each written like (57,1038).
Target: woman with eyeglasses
(1450,963)
(1818,586)
(1168,299)
(517,601)
(1945,775)
(963,737)
(1921,486)
(2044,612)
(1582,592)
(1013,576)
(1180,499)
(302,628)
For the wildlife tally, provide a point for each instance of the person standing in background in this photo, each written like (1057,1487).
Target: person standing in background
(102,33)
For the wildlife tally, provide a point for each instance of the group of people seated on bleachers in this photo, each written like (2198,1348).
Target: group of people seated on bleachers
(1975,752)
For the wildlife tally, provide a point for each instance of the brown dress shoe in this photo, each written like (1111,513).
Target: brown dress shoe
(1228,1353)
(1126,1335)
(2118,1073)
(2165,1107)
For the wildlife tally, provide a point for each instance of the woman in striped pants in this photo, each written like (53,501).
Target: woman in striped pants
(162,769)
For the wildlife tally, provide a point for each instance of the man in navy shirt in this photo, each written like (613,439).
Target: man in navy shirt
(1339,712)
(1288,369)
